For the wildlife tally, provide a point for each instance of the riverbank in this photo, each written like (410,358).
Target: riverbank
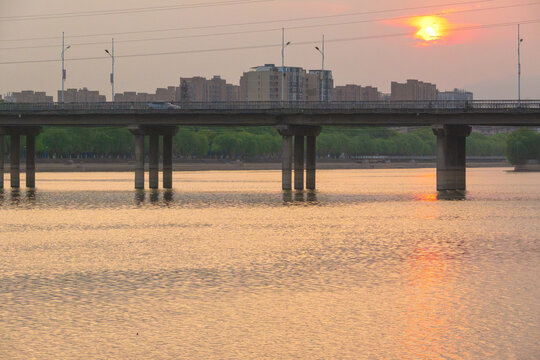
(221,165)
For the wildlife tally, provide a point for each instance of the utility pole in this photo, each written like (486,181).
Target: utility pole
(283,46)
(111,54)
(64,48)
(322,72)
(520,40)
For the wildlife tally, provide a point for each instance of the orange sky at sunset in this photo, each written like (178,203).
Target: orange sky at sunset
(445,42)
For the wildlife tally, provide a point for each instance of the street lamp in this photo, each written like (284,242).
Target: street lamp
(283,46)
(322,72)
(64,49)
(111,54)
(520,40)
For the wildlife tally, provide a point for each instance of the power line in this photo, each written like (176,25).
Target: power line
(274,29)
(464,28)
(254,22)
(126,11)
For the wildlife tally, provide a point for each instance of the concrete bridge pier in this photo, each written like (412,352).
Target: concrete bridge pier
(15,133)
(30,161)
(311,158)
(1,161)
(451,156)
(153,166)
(139,161)
(299,162)
(15,174)
(302,156)
(154,132)
(286,162)
(167,161)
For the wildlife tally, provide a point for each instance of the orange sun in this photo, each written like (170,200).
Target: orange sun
(430,28)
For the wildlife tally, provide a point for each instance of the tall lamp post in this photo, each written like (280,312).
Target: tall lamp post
(322,72)
(111,54)
(283,46)
(520,40)
(64,49)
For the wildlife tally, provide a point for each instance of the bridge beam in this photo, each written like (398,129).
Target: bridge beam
(451,156)
(300,134)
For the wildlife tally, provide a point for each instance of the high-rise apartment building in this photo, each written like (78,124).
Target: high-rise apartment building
(317,81)
(414,90)
(264,83)
(351,92)
(456,95)
(199,89)
(28,96)
(81,96)
(168,94)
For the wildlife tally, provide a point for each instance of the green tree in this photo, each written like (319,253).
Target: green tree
(523,145)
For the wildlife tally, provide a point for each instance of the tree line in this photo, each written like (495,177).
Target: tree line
(253,143)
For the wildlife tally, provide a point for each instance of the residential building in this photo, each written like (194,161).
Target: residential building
(351,92)
(264,83)
(456,95)
(317,79)
(28,96)
(193,89)
(414,90)
(168,94)
(81,96)
(200,89)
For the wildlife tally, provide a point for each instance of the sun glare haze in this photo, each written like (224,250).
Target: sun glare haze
(430,28)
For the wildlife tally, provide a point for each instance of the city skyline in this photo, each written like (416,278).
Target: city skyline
(483,61)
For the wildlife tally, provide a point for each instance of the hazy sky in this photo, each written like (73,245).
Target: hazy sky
(482,60)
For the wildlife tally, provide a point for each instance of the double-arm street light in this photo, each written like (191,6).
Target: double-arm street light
(111,54)
(322,72)
(283,46)
(64,49)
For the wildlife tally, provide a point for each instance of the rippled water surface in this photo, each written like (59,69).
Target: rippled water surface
(373,265)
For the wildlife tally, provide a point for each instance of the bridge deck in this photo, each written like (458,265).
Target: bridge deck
(378,113)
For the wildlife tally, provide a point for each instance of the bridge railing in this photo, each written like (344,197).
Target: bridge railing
(294,106)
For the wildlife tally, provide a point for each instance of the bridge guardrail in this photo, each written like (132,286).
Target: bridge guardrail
(375,106)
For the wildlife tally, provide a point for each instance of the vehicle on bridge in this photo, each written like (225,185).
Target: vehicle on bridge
(162,106)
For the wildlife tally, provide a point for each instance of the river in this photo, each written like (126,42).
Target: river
(371,266)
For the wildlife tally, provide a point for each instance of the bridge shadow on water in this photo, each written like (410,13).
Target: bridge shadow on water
(35,199)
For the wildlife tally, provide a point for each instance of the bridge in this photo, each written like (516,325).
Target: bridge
(299,124)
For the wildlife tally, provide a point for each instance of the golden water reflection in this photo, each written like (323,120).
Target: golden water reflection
(229,266)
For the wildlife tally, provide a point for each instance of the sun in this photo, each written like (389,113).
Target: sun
(430,28)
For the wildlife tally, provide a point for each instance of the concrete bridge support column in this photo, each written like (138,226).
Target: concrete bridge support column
(299,162)
(451,156)
(139,161)
(286,163)
(1,161)
(154,162)
(30,161)
(167,161)
(15,161)
(168,132)
(300,133)
(311,158)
